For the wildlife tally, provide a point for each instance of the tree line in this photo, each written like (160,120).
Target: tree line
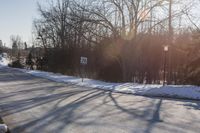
(123,40)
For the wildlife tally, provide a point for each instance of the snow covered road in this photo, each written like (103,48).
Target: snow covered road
(34,105)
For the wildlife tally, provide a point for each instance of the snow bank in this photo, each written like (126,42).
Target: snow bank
(3,128)
(172,91)
(4,61)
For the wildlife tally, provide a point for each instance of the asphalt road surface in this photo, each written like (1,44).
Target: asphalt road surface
(33,105)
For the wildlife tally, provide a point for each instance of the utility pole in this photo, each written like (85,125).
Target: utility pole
(170,40)
(170,19)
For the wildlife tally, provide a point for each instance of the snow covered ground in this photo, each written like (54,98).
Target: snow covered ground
(3,128)
(4,61)
(172,91)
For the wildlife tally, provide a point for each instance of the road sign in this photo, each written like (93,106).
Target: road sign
(84,60)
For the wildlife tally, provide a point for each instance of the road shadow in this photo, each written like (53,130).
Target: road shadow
(192,105)
(53,107)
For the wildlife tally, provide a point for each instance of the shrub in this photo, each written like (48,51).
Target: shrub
(16,64)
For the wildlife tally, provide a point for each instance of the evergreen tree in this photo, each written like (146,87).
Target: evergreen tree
(29,61)
(25,46)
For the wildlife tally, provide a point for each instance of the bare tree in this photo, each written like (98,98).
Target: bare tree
(111,33)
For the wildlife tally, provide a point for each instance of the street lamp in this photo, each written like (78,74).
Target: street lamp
(166,49)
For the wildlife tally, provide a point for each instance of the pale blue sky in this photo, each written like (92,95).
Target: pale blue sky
(16,17)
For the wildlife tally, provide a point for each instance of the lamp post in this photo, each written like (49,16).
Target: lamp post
(166,49)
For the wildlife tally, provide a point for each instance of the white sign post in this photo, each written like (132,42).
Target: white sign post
(83,62)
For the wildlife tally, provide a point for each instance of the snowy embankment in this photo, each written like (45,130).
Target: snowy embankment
(181,91)
(3,128)
(170,91)
(4,61)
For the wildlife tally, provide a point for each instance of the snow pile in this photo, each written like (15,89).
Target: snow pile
(4,61)
(3,128)
(172,91)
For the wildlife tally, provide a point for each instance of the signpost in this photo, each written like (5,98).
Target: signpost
(83,62)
